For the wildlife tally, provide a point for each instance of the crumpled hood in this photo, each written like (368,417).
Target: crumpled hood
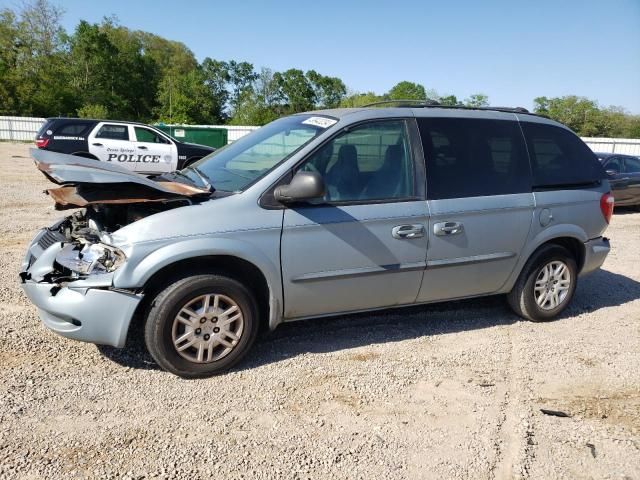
(85,182)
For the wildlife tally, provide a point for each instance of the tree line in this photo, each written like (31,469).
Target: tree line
(105,70)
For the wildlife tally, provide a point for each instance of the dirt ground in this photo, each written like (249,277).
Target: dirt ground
(446,391)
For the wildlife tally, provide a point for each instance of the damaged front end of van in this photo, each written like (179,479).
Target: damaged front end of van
(69,266)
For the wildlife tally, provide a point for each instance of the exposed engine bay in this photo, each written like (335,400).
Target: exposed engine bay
(82,233)
(89,223)
(109,198)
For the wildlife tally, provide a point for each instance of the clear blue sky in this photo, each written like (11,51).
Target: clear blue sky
(511,50)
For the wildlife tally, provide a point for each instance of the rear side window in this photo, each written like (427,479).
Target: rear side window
(472,157)
(72,129)
(632,165)
(148,136)
(559,158)
(113,132)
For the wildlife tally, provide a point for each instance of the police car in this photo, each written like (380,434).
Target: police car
(136,146)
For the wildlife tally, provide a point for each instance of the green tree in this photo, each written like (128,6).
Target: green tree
(477,100)
(93,111)
(407,91)
(296,90)
(261,104)
(217,78)
(185,98)
(33,60)
(449,100)
(328,91)
(355,99)
(241,79)
(9,53)
(578,113)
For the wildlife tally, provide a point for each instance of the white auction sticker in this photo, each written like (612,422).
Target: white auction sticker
(322,122)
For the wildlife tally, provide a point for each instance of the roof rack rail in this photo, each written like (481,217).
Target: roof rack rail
(434,104)
(406,103)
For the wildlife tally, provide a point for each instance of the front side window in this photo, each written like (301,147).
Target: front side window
(113,132)
(614,164)
(632,165)
(366,163)
(559,158)
(236,166)
(473,157)
(148,136)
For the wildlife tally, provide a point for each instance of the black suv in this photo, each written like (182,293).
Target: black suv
(136,146)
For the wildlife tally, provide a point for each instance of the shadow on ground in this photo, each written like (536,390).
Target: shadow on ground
(601,289)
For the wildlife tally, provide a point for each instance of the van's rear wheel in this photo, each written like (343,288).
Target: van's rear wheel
(201,325)
(546,284)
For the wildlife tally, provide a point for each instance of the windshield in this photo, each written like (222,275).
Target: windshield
(239,164)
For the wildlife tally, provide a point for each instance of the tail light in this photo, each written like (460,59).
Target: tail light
(42,142)
(606,206)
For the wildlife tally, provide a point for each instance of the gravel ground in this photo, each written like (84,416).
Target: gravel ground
(447,391)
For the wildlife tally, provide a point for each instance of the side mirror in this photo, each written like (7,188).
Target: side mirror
(303,186)
(612,173)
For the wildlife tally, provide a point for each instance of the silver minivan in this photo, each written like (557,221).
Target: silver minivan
(317,214)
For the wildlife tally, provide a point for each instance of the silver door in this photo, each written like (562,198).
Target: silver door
(480,204)
(474,244)
(364,245)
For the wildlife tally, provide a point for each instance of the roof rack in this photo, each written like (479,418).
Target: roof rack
(426,103)
(406,103)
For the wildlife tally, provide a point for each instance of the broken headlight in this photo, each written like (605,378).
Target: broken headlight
(88,258)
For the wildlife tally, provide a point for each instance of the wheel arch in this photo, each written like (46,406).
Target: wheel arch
(234,257)
(231,266)
(568,236)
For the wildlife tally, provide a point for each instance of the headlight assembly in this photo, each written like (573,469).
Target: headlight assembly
(90,258)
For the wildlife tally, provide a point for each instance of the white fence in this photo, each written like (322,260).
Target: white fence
(20,129)
(627,146)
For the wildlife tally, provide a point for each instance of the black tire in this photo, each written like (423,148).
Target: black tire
(158,331)
(522,297)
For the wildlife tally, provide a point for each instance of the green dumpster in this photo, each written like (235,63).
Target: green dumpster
(213,137)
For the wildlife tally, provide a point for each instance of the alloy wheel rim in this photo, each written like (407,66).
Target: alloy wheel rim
(552,285)
(207,328)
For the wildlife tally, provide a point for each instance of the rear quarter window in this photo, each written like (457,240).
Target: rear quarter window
(559,158)
(72,129)
(43,129)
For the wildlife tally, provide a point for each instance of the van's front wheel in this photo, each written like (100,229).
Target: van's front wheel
(201,325)
(546,285)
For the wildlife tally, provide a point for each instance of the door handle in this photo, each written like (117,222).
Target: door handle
(142,147)
(97,144)
(407,231)
(448,228)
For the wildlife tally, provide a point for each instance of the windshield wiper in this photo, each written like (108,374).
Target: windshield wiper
(202,177)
